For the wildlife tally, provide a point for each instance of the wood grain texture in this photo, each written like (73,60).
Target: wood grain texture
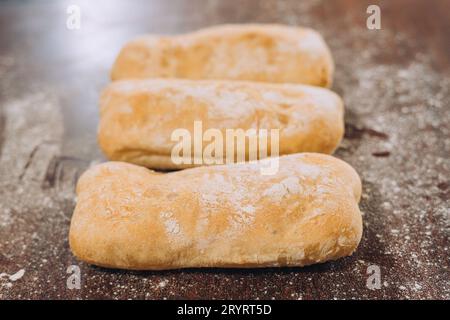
(395,84)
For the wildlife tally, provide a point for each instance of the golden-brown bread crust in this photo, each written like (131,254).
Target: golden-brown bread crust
(255,52)
(218,216)
(137,117)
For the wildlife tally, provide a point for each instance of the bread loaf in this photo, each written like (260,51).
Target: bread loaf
(256,52)
(138,117)
(130,217)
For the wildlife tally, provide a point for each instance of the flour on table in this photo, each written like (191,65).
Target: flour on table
(7,279)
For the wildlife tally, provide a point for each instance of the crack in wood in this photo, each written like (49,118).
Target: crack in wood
(55,173)
(32,154)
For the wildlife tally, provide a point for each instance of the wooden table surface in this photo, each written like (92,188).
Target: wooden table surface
(395,83)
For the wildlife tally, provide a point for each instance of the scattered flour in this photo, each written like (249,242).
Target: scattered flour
(7,279)
(171,224)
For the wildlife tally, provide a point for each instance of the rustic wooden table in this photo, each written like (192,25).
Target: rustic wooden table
(395,83)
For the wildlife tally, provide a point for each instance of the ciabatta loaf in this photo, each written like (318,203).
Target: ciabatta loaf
(256,52)
(139,117)
(130,217)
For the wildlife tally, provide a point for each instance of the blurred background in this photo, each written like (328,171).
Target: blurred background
(395,83)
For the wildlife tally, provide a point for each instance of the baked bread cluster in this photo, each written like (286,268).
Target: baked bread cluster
(246,77)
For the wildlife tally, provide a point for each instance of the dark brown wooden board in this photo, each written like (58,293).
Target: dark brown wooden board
(395,83)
